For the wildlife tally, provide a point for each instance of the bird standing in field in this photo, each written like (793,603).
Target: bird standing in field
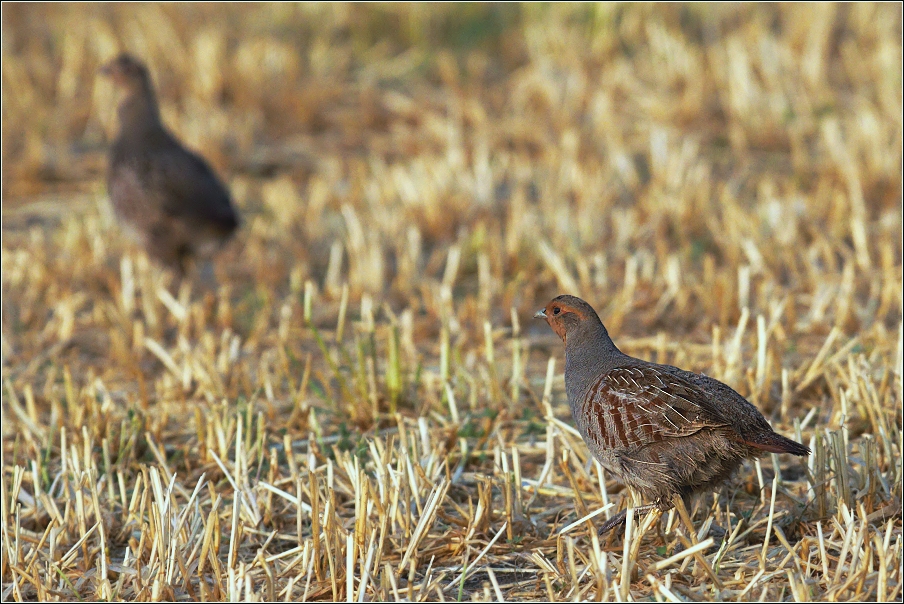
(664,431)
(165,195)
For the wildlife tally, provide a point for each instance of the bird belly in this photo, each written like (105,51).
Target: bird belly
(683,465)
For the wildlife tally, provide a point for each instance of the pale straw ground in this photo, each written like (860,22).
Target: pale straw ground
(360,407)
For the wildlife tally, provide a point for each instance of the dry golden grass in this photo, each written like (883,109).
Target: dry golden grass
(362,409)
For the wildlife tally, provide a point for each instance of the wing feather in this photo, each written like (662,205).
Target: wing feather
(634,407)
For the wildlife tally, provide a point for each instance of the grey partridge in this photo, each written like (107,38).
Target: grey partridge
(166,196)
(664,431)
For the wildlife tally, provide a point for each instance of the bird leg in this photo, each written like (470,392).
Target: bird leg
(620,518)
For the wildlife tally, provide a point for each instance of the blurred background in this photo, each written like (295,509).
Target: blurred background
(674,164)
(548,133)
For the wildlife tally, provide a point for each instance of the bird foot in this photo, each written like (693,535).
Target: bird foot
(613,522)
(620,518)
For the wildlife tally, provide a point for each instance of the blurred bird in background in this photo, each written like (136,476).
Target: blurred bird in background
(167,197)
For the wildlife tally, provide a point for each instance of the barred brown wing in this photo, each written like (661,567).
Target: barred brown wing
(632,407)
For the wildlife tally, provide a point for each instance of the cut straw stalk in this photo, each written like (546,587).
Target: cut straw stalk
(425,520)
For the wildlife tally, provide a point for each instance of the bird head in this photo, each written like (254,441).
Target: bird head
(127,73)
(568,315)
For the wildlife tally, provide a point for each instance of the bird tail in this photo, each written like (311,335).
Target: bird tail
(776,443)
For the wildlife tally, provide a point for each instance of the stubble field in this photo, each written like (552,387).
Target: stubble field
(359,405)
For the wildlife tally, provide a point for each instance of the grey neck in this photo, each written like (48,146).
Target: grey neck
(138,113)
(588,353)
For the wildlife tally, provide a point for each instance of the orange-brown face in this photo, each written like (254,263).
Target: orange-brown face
(563,313)
(126,71)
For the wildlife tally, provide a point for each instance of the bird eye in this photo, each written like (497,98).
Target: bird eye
(556,310)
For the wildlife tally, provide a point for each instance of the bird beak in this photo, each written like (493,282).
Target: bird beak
(541,314)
